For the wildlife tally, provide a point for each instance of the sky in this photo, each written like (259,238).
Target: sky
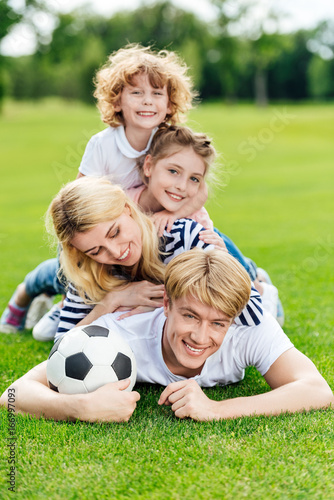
(298,14)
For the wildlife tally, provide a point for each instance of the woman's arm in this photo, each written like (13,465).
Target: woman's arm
(138,296)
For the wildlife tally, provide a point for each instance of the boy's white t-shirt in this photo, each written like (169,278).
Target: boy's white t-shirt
(243,346)
(109,154)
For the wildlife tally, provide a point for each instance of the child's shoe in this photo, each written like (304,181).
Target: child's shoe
(12,319)
(269,296)
(47,326)
(39,306)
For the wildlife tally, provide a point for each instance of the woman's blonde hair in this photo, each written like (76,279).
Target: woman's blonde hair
(162,68)
(170,139)
(79,207)
(215,278)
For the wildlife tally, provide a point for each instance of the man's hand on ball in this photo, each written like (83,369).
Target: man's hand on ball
(109,403)
(188,400)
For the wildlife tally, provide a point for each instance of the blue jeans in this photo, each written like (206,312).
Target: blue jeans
(44,279)
(232,249)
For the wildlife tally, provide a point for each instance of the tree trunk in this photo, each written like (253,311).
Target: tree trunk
(260,86)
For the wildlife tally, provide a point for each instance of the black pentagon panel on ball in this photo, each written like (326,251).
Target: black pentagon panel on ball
(77,366)
(53,387)
(55,347)
(96,331)
(122,366)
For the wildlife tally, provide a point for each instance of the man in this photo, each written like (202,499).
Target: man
(192,342)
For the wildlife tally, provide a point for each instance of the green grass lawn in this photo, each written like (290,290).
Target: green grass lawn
(277,203)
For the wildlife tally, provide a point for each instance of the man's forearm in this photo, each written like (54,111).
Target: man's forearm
(38,400)
(293,397)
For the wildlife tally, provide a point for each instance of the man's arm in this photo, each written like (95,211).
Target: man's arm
(32,395)
(297,385)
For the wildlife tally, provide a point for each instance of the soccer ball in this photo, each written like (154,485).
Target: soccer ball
(88,357)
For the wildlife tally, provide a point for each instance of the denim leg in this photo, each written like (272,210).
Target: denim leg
(232,249)
(44,279)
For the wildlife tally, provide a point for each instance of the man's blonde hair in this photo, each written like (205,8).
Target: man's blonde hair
(79,207)
(215,278)
(162,68)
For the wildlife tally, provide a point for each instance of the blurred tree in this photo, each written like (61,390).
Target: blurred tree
(10,15)
(321,67)
(287,74)
(225,57)
(225,53)
(320,77)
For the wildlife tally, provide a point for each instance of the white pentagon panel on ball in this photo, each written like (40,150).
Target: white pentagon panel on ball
(98,376)
(100,350)
(55,368)
(72,386)
(119,344)
(73,342)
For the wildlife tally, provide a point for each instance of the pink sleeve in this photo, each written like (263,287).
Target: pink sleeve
(202,217)
(134,193)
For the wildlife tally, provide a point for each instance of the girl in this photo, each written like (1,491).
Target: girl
(176,165)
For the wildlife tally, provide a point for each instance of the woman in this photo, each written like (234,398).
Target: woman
(111,255)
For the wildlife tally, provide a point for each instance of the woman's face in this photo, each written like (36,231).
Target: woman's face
(113,242)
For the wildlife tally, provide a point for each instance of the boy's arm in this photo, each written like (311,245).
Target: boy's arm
(297,385)
(31,394)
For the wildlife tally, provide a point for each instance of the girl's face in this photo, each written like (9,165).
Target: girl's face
(175,179)
(113,242)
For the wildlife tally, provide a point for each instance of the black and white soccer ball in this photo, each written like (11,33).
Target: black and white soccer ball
(88,357)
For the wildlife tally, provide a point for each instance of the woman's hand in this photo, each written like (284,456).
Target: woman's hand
(212,238)
(133,310)
(140,293)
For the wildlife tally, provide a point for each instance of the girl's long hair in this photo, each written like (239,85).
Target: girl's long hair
(80,206)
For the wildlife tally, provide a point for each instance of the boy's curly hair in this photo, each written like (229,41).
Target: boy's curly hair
(162,68)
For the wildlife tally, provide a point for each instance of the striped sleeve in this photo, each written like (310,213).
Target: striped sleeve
(183,237)
(74,310)
(253,312)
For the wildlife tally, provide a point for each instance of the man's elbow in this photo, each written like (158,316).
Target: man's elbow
(323,393)
(4,399)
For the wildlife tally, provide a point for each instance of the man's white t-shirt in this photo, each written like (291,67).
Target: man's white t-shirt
(243,346)
(109,154)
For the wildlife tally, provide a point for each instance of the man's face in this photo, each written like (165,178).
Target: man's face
(193,331)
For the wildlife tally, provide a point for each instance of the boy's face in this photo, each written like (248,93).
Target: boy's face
(142,105)
(193,331)
(175,179)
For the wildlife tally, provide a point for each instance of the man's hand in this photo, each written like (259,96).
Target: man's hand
(188,400)
(109,403)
